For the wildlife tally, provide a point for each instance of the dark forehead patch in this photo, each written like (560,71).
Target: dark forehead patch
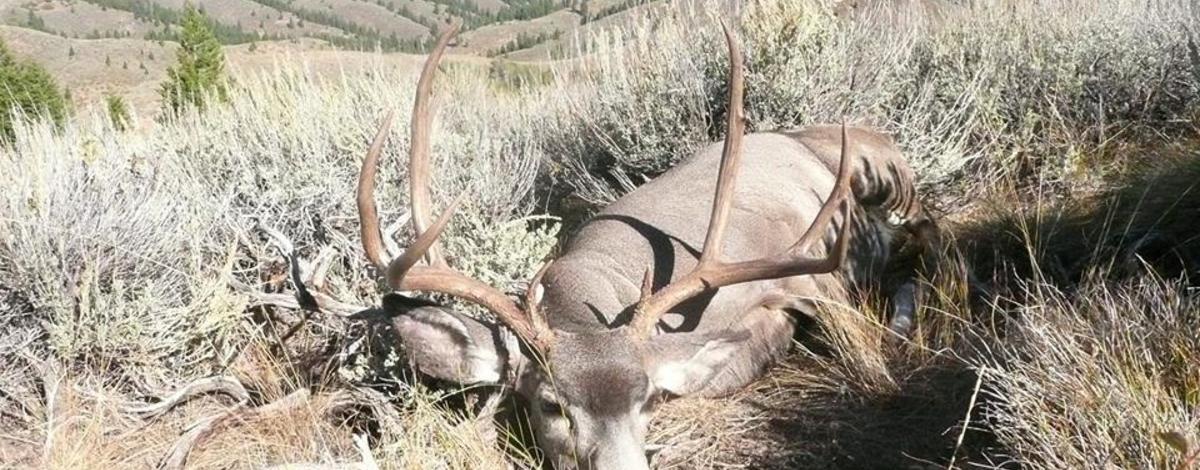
(599,372)
(613,390)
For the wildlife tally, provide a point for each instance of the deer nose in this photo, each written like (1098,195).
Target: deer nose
(620,449)
(636,461)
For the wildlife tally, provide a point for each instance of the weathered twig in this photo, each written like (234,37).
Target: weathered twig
(219,384)
(364,450)
(321,267)
(304,298)
(177,456)
(323,303)
(195,433)
(51,381)
(967,419)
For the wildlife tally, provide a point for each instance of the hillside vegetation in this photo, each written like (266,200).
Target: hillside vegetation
(100,48)
(1059,142)
(389,25)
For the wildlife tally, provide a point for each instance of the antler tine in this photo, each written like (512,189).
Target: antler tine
(399,267)
(840,191)
(418,166)
(647,285)
(711,272)
(645,315)
(403,272)
(533,300)
(730,157)
(368,216)
(533,293)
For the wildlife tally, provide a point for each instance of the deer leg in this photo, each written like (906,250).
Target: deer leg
(904,305)
(923,245)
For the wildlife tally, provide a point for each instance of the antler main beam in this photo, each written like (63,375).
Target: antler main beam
(403,272)
(418,161)
(731,156)
(711,272)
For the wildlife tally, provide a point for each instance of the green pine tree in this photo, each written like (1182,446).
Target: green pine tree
(35,22)
(27,90)
(118,112)
(199,74)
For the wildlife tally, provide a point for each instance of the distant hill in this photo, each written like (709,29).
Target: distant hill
(389,25)
(97,48)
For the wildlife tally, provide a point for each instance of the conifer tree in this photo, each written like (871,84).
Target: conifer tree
(199,74)
(27,90)
(118,111)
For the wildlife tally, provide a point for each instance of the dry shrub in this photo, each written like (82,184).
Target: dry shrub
(1090,379)
(83,422)
(117,250)
(994,89)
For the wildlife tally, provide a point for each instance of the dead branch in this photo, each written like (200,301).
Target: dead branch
(364,450)
(389,235)
(220,384)
(197,432)
(322,302)
(304,298)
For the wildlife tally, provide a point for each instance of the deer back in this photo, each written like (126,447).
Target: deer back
(781,188)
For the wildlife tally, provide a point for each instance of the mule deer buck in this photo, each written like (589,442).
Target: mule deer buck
(632,313)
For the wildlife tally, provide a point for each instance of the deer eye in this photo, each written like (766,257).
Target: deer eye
(551,408)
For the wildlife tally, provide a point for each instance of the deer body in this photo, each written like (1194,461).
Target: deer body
(673,290)
(662,225)
(784,181)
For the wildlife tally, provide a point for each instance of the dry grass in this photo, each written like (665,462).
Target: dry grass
(1089,379)
(1067,308)
(84,422)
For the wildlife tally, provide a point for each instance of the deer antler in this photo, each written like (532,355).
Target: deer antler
(418,158)
(403,272)
(368,216)
(711,272)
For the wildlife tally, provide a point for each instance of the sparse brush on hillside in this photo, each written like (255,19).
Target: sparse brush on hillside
(134,263)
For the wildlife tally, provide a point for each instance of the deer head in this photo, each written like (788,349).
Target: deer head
(592,393)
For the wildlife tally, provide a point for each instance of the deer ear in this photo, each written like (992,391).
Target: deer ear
(451,346)
(691,360)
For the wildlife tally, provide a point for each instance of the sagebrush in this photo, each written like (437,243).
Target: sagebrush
(124,256)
